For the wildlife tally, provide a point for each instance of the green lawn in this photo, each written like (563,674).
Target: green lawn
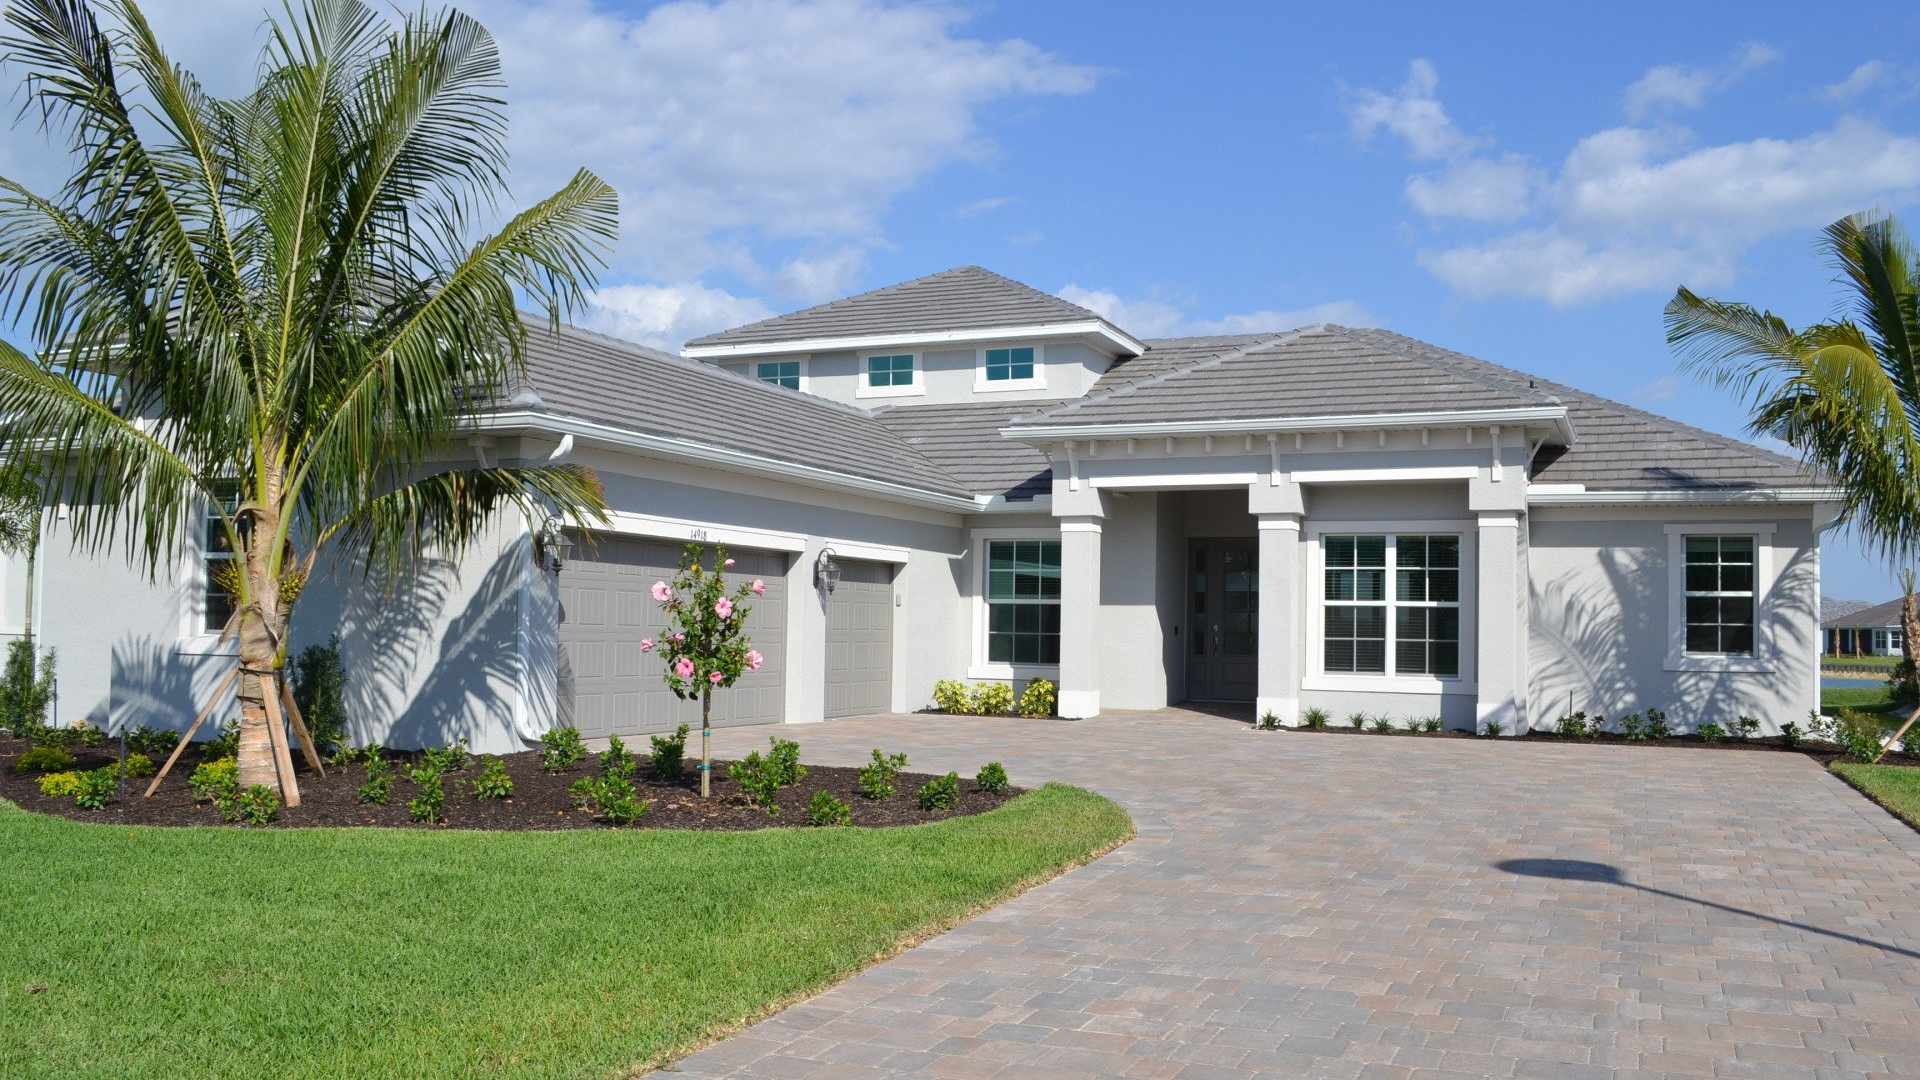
(1895,787)
(365,952)
(1866,698)
(1885,663)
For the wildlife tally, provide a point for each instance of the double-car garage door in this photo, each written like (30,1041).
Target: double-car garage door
(608,686)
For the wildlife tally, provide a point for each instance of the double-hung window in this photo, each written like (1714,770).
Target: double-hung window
(217,599)
(779,373)
(1023,601)
(1720,582)
(884,372)
(1391,604)
(1009,365)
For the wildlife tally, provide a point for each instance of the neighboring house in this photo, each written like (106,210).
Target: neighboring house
(961,477)
(1853,628)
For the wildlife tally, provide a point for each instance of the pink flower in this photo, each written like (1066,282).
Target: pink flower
(728,563)
(678,639)
(683,668)
(759,587)
(754,660)
(714,677)
(646,644)
(661,592)
(724,608)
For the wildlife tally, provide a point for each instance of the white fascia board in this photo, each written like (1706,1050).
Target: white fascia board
(1555,495)
(1538,416)
(1119,340)
(703,454)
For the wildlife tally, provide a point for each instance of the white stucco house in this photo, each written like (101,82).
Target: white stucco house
(999,485)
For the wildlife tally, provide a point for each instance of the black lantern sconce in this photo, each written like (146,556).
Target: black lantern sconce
(826,572)
(552,544)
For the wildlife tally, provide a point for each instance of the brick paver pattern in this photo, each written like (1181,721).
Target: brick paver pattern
(1307,905)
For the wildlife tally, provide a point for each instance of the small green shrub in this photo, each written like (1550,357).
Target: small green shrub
(97,789)
(1821,727)
(1747,726)
(60,738)
(618,760)
(60,784)
(877,776)
(1315,718)
(561,748)
(992,778)
(941,793)
(1633,727)
(1356,721)
(783,758)
(1657,727)
(257,805)
(1575,725)
(759,778)
(1269,721)
(320,690)
(87,734)
(1859,734)
(430,805)
(1382,724)
(827,811)
(991,699)
(612,798)
(26,688)
(452,757)
(1414,723)
(1039,697)
(379,786)
(215,779)
(1790,734)
(951,696)
(1432,724)
(136,767)
(1494,729)
(151,742)
(44,759)
(669,756)
(493,781)
(1710,732)
(224,745)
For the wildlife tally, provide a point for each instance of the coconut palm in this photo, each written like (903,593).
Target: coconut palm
(276,305)
(1844,393)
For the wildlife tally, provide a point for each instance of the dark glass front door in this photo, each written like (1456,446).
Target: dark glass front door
(1223,614)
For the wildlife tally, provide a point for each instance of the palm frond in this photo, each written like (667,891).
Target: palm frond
(449,510)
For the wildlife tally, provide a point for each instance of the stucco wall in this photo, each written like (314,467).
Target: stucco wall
(948,374)
(1600,602)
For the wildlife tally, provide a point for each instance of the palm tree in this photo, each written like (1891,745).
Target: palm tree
(275,305)
(1844,393)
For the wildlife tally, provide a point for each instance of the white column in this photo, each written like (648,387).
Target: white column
(1497,611)
(1280,636)
(1079,617)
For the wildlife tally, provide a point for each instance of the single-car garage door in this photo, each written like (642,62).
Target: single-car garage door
(607,686)
(860,640)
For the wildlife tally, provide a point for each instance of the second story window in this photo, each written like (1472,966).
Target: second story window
(779,373)
(890,371)
(1009,365)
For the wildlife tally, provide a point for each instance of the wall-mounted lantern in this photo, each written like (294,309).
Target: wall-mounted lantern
(552,544)
(826,572)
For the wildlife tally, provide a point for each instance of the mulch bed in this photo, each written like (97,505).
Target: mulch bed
(1824,753)
(540,799)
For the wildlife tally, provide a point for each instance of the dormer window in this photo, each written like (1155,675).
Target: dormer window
(889,375)
(1009,365)
(785,373)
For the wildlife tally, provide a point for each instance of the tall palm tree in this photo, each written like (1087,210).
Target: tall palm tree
(1844,393)
(276,305)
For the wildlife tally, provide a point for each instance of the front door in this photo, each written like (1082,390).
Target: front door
(1223,644)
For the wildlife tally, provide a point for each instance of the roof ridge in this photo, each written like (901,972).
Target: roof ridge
(1160,377)
(1355,335)
(1657,419)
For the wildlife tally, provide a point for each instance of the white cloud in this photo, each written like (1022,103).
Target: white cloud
(981,206)
(1477,189)
(666,316)
(1660,389)
(824,278)
(1672,86)
(1874,75)
(1156,317)
(1414,113)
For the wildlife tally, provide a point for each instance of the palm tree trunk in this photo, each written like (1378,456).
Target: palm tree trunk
(262,630)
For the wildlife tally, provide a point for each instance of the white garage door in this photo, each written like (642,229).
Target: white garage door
(860,640)
(608,686)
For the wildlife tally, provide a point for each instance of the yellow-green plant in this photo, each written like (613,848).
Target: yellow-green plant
(57,784)
(991,699)
(1039,698)
(951,696)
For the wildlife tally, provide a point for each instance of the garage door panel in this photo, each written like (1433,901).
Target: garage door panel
(859,650)
(609,686)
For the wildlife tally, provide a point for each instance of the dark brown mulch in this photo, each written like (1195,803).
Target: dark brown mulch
(1824,753)
(540,800)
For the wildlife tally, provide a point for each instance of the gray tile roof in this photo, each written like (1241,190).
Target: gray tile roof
(965,441)
(964,298)
(1328,370)
(1887,614)
(587,376)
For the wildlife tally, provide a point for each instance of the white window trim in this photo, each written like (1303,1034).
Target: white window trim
(862,389)
(753,371)
(195,639)
(1764,659)
(979,667)
(1317,677)
(981,385)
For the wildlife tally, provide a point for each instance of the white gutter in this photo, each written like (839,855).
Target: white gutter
(1555,415)
(1558,496)
(1093,328)
(703,454)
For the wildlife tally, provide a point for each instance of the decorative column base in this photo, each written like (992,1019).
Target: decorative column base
(1286,708)
(1079,704)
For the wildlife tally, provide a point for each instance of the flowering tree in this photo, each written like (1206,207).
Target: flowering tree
(704,645)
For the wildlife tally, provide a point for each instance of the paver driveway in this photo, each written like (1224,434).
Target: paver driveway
(1328,905)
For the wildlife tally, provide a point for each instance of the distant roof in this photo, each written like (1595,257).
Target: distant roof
(964,298)
(580,374)
(1832,610)
(1335,370)
(1887,614)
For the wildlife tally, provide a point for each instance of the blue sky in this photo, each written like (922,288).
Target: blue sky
(1524,183)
